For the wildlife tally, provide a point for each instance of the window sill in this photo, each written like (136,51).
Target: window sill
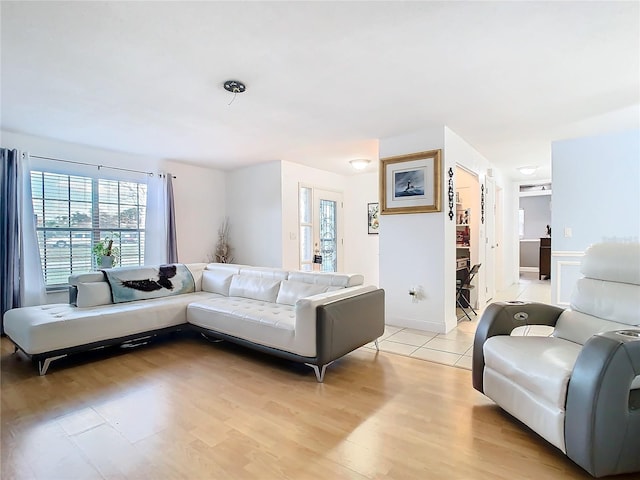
(57,289)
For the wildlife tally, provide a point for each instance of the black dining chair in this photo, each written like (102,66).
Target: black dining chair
(463,286)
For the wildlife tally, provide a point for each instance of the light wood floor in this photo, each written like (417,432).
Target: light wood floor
(186,408)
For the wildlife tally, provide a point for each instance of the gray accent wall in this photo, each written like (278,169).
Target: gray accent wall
(596,198)
(537,215)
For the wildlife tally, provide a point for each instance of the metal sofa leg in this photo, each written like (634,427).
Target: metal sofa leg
(319,370)
(44,366)
(377,346)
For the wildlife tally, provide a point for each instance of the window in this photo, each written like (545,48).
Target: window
(320,224)
(306,230)
(75,212)
(521,222)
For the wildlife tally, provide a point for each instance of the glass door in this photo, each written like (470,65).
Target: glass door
(320,229)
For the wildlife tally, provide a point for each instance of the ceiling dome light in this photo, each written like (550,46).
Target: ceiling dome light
(235,87)
(360,163)
(527,170)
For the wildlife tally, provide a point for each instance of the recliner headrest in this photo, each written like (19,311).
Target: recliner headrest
(613,262)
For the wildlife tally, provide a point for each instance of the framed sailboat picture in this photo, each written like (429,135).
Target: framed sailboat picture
(411,183)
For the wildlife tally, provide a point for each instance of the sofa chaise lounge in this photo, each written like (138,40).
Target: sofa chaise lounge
(312,318)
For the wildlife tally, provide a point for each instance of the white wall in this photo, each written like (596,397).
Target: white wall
(415,251)
(361,249)
(200,205)
(255,210)
(596,194)
(199,192)
(510,237)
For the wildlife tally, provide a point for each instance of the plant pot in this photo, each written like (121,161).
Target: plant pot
(106,261)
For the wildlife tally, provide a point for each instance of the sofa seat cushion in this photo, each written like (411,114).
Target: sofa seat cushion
(541,365)
(265,323)
(46,328)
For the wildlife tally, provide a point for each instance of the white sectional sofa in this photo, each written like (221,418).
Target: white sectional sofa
(313,318)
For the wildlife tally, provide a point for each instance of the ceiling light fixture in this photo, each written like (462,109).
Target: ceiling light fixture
(360,163)
(235,87)
(527,170)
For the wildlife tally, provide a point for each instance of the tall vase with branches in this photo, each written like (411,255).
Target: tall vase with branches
(223,248)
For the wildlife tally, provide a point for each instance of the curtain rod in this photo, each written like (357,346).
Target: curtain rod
(150,174)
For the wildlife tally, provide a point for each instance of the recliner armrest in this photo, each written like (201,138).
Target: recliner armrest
(602,419)
(501,318)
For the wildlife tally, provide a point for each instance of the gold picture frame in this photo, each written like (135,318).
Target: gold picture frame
(411,183)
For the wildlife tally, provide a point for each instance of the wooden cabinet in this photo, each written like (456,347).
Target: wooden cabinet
(545,258)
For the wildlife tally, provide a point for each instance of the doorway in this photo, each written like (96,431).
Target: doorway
(534,220)
(468,224)
(320,219)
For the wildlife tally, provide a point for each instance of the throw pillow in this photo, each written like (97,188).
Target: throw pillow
(92,294)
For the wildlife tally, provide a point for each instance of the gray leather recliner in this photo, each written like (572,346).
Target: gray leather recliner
(580,387)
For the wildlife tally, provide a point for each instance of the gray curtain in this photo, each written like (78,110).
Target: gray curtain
(9,233)
(172,243)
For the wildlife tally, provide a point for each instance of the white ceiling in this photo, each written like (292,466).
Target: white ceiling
(325,80)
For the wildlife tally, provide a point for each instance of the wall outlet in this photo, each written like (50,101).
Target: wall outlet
(415,294)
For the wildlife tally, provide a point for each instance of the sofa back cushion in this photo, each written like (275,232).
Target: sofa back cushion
(291,291)
(613,301)
(579,327)
(86,278)
(264,272)
(196,270)
(341,280)
(257,288)
(216,278)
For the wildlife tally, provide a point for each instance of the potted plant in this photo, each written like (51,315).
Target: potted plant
(223,249)
(105,253)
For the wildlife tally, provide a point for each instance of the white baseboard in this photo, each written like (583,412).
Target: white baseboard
(530,269)
(417,325)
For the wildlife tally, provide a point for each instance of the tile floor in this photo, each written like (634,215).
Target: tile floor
(455,348)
